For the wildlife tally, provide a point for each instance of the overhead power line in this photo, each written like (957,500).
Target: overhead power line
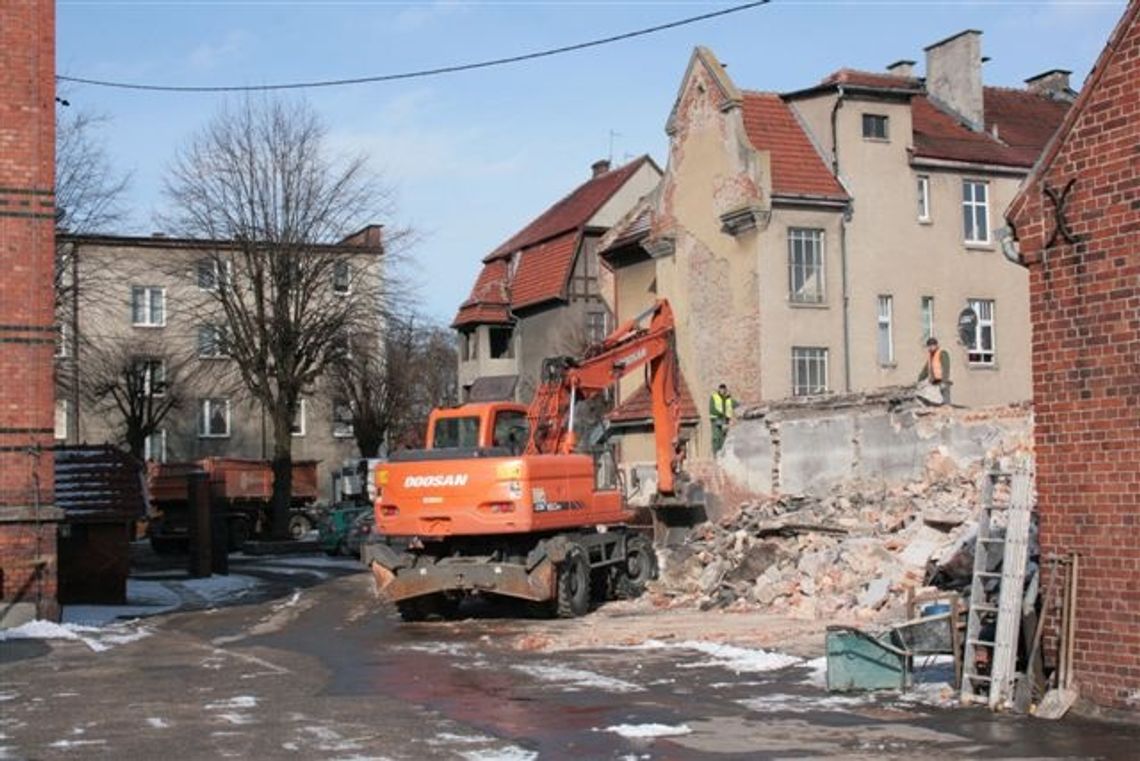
(420,73)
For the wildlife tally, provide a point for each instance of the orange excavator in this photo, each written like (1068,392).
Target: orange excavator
(502,502)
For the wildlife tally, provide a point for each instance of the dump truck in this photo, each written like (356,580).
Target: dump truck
(242,488)
(502,502)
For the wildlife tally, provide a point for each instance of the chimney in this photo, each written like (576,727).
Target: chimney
(1051,84)
(902,68)
(954,75)
(599,168)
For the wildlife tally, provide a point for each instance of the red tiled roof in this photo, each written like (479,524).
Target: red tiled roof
(573,211)
(870,79)
(1024,122)
(639,407)
(543,269)
(797,168)
(488,300)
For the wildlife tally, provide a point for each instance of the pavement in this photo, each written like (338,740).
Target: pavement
(293,658)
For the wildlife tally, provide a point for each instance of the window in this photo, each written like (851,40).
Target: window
(341,277)
(927,318)
(975,212)
(152,373)
(923,198)
(148,306)
(875,127)
(809,370)
(342,419)
(805,266)
(213,418)
(61,339)
(886,337)
(502,343)
(510,430)
(298,426)
(981,348)
(212,342)
(154,446)
(62,410)
(455,432)
(212,273)
(597,326)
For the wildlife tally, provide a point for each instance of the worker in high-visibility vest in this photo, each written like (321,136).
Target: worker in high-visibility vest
(721,411)
(936,369)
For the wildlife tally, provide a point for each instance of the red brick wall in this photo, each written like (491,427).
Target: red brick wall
(27,156)
(1085,309)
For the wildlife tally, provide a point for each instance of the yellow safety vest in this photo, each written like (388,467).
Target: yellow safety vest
(722,407)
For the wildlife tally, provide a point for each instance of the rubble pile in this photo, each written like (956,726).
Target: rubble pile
(849,555)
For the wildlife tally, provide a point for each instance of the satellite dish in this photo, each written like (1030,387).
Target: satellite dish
(967,326)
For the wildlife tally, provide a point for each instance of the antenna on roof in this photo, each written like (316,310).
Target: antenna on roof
(613,134)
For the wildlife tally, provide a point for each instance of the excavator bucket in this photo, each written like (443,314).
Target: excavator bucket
(675,516)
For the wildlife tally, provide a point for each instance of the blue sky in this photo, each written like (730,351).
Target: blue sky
(473,156)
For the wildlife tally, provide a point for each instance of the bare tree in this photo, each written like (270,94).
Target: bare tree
(391,385)
(293,287)
(135,386)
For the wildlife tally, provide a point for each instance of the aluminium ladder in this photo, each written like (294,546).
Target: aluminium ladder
(999,605)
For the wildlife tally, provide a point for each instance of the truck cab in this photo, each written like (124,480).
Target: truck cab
(483,425)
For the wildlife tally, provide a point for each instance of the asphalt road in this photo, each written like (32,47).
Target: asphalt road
(312,667)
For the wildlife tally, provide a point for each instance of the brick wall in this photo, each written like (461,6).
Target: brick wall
(27,156)
(1085,311)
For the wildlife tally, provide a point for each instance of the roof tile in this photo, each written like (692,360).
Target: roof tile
(797,168)
(639,406)
(543,269)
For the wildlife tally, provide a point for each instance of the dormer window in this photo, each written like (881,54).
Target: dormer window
(875,127)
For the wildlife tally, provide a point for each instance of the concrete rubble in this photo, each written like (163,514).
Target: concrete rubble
(848,555)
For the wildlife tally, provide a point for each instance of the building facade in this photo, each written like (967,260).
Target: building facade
(810,242)
(28,558)
(1077,223)
(147,304)
(537,294)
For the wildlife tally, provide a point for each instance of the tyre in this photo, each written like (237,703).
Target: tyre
(239,534)
(639,568)
(573,593)
(299,525)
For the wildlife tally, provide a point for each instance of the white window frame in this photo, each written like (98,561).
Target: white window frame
(147,304)
(595,332)
(985,310)
(812,242)
(817,355)
(219,274)
(205,413)
(342,429)
(923,189)
(62,418)
(347,289)
(926,310)
(148,446)
(219,341)
(148,366)
(295,430)
(886,322)
(971,207)
(869,118)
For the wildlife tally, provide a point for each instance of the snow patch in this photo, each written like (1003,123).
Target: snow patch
(157,722)
(509,753)
(641,731)
(447,738)
(75,743)
(817,676)
(98,639)
(241,701)
(437,648)
(576,679)
(783,703)
(737,659)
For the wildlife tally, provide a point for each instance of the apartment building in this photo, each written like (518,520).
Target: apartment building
(146,303)
(811,241)
(537,294)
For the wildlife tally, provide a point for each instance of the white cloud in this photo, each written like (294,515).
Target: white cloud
(209,55)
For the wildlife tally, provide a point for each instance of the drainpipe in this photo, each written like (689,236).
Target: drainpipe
(842,245)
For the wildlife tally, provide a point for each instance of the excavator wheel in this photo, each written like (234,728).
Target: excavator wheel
(639,569)
(428,606)
(573,592)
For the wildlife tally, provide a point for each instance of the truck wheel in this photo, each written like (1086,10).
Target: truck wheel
(640,566)
(573,585)
(299,525)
